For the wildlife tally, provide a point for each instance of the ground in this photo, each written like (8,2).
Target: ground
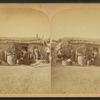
(25,79)
(75,79)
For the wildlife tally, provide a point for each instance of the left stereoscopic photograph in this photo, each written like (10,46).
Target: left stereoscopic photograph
(24,51)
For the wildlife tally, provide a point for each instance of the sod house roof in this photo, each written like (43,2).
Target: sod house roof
(81,41)
(21,40)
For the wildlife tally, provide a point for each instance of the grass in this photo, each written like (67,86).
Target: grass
(25,79)
(75,79)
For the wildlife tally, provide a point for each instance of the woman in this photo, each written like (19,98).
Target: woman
(48,54)
(59,54)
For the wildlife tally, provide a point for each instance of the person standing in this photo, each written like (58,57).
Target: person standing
(47,54)
(95,55)
(1,56)
(18,56)
(5,53)
(72,55)
(59,54)
(76,56)
(36,53)
(26,59)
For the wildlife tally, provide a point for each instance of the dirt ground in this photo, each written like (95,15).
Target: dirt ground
(75,79)
(25,79)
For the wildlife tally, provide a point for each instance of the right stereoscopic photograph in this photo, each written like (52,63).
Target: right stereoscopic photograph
(75,51)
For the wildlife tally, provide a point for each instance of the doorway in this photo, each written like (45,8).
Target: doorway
(25,47)
(96,48)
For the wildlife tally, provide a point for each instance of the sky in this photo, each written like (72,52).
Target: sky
(23,22)
(79,22)
(55,20)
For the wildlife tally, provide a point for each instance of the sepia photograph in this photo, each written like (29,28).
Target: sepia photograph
(24,51)
(75,50)
(49,50)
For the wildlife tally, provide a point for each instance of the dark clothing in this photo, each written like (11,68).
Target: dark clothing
(89,55)
(72,55)
(26,59)
(47,57)
(2,56)
(18,55)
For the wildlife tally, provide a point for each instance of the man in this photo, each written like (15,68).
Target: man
(36,53)
(72,55)
(95,55)
(18,56)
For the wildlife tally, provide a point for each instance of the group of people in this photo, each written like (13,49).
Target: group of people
(27,57)
(88,58)
(92,57)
